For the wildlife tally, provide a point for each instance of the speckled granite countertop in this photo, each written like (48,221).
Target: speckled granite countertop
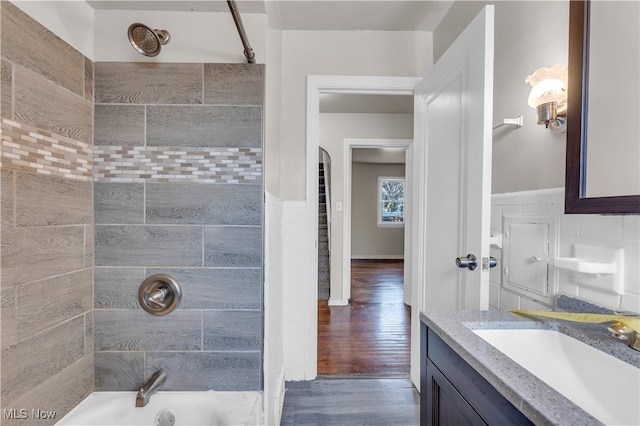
(534,398)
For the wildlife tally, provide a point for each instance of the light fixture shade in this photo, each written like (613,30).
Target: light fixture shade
(549,85)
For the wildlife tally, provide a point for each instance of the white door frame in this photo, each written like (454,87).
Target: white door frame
(349,144)
(317,84)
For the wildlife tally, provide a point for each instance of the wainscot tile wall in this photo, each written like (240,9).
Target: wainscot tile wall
(46,257)
(178,190)
(617,232)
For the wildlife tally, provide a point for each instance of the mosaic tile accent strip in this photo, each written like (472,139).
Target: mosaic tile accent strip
(28,149)
(177,164)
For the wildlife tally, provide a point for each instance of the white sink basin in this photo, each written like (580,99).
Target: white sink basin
(602,385)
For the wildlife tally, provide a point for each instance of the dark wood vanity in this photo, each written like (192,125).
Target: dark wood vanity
(453,393)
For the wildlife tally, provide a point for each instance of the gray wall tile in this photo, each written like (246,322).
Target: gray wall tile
(47,200)
(134,245)
(204,204)
(215,126)
(119,125)
(6,89)
(118,203)
(42,104)
(27,43)
(89,341)
(226,246)
(216,288)
(227,371)
(34,253)
(45,87)
(150,228)
(45,303)
(89,246)
(232,330)
(6,198)
(88,79)
(8,325)
(233,84)
(137,330)
(32,361)
(117,288)
(148,83)
(119,371)
(60,393)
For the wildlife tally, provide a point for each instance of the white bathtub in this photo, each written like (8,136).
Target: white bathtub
(168,409)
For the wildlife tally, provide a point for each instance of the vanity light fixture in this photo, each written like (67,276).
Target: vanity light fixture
(549,96)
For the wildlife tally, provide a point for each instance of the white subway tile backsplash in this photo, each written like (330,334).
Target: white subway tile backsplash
(568,226)
(511,210)
(555,208)
(631,302)
(532,305)
(567,285)
(509,300)
(494,295)
(631,228)
(594,230)
(632,268)
(600,227)
(496,222)
(600,298)
(534,209)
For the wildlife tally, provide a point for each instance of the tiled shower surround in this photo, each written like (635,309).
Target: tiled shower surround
(46,260)
(178,190)
(159,171)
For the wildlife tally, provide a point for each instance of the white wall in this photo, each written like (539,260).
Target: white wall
(621,232)
(528,35)
(72,21)
(334,129)
(274,267)
(273,316)
(368,240)
(195,36)
(366,53)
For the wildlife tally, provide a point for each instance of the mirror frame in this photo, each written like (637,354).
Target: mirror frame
(576,200)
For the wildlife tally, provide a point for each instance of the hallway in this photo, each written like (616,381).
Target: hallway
(371,336)
(363,356)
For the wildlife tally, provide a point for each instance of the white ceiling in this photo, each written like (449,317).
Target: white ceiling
(331,15)
(245,6)
(373,104)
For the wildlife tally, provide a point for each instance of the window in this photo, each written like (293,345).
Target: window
(390,201)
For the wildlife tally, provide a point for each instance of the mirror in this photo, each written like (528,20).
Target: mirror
(603,140)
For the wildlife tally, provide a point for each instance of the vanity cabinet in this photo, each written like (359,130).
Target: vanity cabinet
(453,393)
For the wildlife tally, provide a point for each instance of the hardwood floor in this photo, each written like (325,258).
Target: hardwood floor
(370,337)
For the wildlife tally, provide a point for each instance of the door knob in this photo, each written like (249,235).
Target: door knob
(489,262)
(470,262)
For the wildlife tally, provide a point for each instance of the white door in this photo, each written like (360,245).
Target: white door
(453,118)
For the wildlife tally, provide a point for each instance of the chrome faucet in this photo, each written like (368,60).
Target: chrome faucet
(152,385)
(625,333)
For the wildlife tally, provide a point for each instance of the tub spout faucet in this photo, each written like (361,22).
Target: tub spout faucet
(152,385)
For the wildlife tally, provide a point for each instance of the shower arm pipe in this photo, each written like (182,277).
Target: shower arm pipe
(248,51)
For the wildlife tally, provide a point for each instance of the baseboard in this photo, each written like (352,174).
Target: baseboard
(337,302)
(278,401)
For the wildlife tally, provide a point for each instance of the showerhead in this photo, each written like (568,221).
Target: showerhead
(147,41)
